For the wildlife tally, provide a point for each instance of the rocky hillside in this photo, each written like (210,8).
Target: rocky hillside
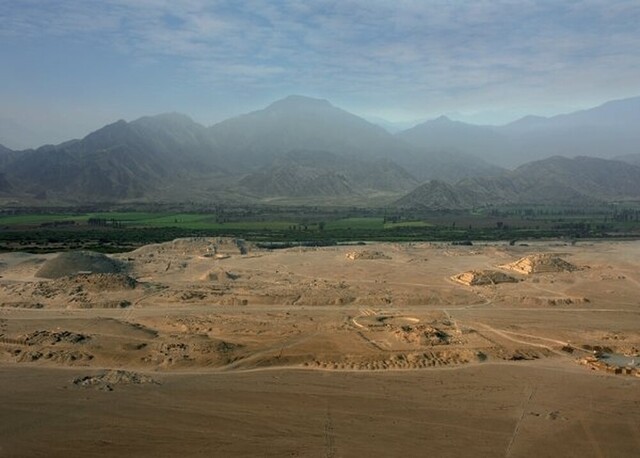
(120,161)
(170,157)
(301,123)
(4,150)
(633,159)
(320,173)
(556,180)
(300,146)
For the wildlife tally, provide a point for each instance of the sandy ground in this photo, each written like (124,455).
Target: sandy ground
(226,350)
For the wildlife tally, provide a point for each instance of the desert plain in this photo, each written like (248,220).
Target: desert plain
(215,347)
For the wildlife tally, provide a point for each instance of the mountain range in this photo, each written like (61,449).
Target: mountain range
(607,131)
(300,148)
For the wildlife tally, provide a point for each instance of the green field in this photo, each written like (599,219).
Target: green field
(142,219)
(203,221)
(36,219)
(190,221)
(283,226)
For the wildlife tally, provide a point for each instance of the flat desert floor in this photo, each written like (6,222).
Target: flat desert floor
(212,347)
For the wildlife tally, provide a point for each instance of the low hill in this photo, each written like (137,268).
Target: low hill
(450,166)
(437,195)
(5,156)
(320,173)
(557,180)
(5,186)
(74,262)
(600,179)
(297,181)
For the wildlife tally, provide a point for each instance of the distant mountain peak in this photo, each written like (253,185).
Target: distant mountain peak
(442,119)
(115,127)
(529,118)
(172,118)
(299,101)
(173,115)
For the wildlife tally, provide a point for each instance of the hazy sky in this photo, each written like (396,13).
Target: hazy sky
(71,66)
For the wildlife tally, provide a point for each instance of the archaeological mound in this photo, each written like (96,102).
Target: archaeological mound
(77,262)
(541,263)
(483,277)
(366,254)
(220,275)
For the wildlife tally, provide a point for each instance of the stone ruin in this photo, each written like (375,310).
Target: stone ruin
(483,277)
(540,263)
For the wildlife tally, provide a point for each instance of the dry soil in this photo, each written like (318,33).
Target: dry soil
(209,347)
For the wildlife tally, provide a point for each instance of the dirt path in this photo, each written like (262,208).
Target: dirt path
(516,429)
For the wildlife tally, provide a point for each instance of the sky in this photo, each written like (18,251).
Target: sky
(68,67)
